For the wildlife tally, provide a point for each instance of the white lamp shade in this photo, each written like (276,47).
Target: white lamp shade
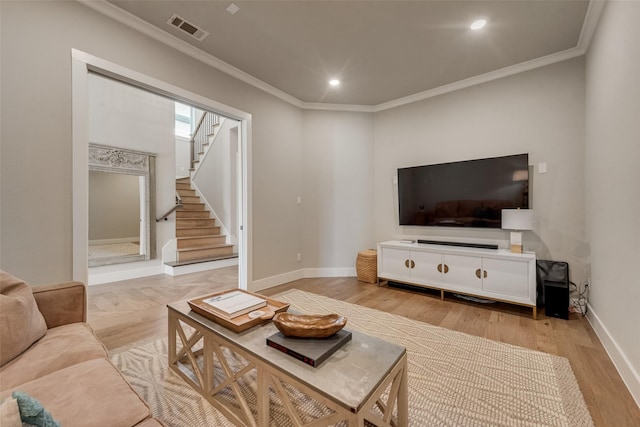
(517,219)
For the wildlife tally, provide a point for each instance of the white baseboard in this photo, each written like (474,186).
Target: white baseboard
(201,266)
(329,272)
(118,240)
(134,270)
(620,361)
(270,282)
(117,272)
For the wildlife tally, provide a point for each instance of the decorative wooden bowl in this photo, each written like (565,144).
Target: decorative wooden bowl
(309,325)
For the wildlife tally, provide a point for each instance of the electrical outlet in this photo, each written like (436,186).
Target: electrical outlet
(299,201)
(299,257)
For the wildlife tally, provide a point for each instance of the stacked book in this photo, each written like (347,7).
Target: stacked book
(233,304)
(312,351)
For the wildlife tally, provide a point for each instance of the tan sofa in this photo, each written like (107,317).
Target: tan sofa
(48,351)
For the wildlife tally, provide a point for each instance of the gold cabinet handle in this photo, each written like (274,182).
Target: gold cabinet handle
(446,269)
(406,263)
(439,268)
(481,273)
(413,264)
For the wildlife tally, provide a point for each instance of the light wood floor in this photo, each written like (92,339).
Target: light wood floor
(127,311)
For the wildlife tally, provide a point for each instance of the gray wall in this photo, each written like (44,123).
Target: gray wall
(540,112)
(114,206)
(613,183)
(338,188)
(36,191)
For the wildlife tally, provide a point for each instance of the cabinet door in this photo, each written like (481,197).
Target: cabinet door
(425,268)
(463,271)
(395,264)
(506,277)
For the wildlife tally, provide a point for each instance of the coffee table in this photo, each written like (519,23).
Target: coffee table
(366,380)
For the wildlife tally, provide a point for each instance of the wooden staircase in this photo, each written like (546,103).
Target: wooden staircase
(198,236)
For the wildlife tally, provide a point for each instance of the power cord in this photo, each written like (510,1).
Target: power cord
(580,303)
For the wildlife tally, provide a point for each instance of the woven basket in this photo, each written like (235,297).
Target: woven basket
(367,266)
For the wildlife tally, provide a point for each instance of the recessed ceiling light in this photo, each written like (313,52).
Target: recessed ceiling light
(478,24)
(334,82)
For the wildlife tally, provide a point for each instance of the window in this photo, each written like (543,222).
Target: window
(184,122)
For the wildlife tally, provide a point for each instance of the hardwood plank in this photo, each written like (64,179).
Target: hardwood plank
(131,310)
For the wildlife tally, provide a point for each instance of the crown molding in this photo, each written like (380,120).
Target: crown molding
(594,11)
(339,107)
(592,16)
(483,78)
(130,20)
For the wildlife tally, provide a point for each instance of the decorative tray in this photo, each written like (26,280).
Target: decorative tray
(244,321)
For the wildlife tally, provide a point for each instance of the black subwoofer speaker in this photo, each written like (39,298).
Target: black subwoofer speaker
(553,281)
(556,302)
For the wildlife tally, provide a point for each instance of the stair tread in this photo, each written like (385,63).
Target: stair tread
(199,214)
(206,236)
(199,248)
(198,261)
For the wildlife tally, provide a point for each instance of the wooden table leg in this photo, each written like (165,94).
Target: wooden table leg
(172,338)
(403,397)
(262,397)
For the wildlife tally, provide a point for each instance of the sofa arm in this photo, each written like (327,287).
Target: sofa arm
(62,303)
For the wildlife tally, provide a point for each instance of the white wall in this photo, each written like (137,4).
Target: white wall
(124,116)
(183,157)
(216,177)
(337,200)
(540,112)
(36,135)
(613,184)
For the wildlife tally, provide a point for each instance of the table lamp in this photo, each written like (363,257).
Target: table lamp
(517,220)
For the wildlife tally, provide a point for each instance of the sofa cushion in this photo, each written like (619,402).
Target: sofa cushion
(61,347)
(21,324)
(88,394)
(10,413)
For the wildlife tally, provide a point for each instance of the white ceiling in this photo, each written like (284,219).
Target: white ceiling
(381,50)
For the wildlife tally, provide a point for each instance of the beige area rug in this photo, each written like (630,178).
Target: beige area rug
(111,250)
(454,379)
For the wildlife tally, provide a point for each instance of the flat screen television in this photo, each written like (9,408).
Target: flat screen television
(471,193)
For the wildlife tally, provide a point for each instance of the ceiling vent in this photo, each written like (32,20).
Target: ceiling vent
(189,28)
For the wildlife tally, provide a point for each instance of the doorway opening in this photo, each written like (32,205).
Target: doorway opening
(108,121)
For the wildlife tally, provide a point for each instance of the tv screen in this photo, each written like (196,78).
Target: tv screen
(463,194)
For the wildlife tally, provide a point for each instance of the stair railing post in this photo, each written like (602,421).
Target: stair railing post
(191,154)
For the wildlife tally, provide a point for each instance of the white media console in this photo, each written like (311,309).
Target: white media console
(495,274)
